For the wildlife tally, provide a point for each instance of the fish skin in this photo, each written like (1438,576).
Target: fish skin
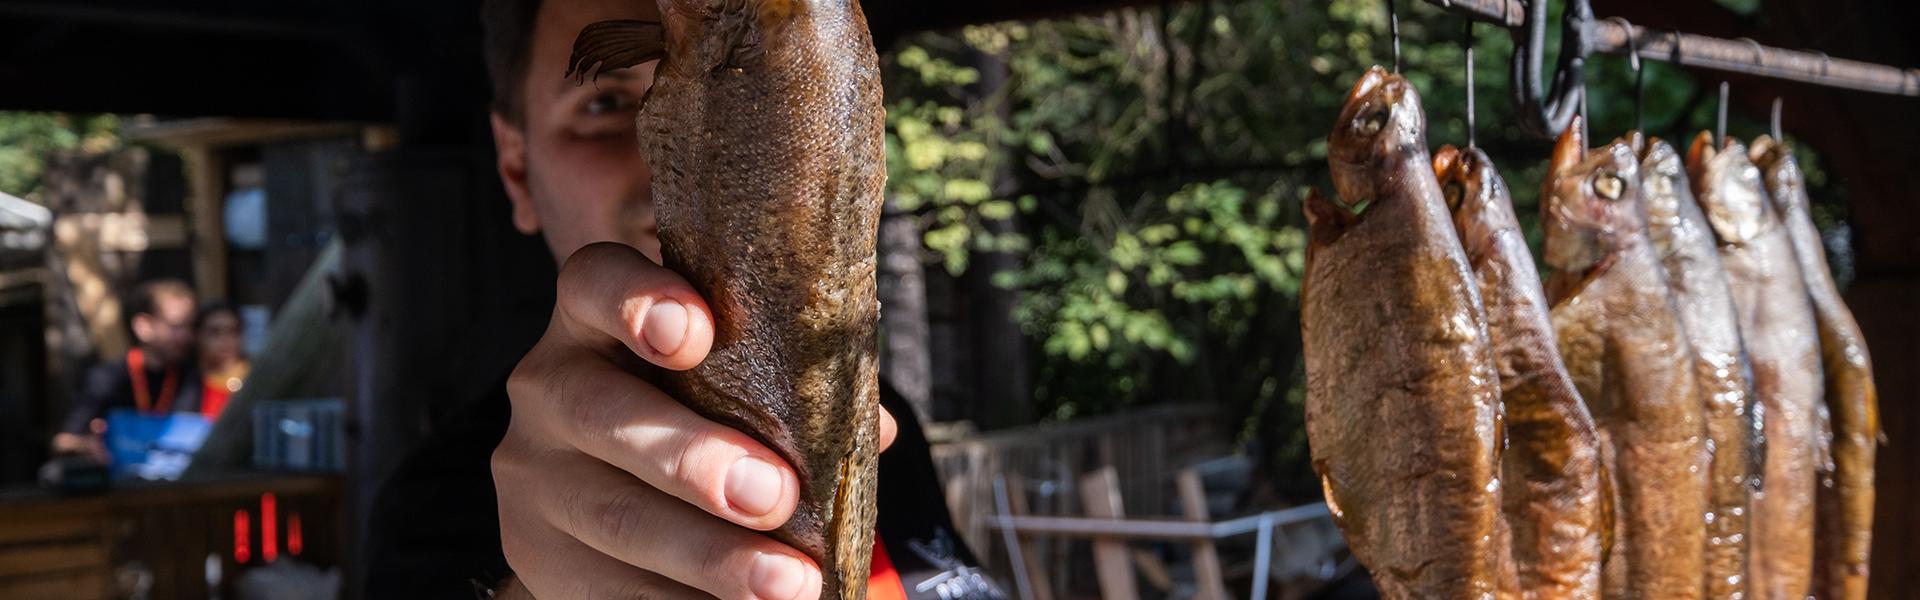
(1396,341)
(1620,336)
(1843,502)
(1551,489)
(1776,320)
(765,130)
(1685,245)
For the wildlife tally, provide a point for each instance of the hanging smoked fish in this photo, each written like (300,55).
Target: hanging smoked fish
(1623,343)
(1843,502)
(1776,319)
(1402,395)
(1552,489)
(1685,245)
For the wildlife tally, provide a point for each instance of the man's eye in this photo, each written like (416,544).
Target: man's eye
(609,103)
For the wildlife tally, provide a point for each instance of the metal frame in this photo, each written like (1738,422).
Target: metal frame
(1549,112)
(1263,525)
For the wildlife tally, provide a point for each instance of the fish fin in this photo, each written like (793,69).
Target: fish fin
(609,45)
(1637,140)
(1571,149)
(850,532)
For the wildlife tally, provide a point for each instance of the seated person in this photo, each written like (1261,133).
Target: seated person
(216,333)
(156,376)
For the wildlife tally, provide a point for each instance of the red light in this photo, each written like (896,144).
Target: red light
(269,528)
(294,546)
(242,538)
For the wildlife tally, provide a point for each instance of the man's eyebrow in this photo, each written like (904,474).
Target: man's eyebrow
(624,75)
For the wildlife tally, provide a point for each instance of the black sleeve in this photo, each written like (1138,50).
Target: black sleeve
(914,522)
(434,528)
(96,394)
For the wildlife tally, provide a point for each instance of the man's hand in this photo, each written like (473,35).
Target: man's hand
(609,488)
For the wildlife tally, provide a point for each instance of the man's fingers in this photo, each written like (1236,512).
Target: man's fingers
(625,421)
(551,565)
(615,291)
(639,525)
(889,428)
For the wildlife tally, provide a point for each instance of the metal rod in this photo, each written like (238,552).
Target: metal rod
(1778,135)
(1015,553)
(1731,56)
(1157,528)
(1393,27)
(1719,122)
(1467,40)
(1262,558)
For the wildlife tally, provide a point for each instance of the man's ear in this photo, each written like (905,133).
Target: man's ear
(510,148)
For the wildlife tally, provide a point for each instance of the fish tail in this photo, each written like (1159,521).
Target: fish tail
(609,45)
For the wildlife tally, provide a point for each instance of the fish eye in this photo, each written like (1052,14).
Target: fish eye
(1454,193)
(1609,185)
(1375,121)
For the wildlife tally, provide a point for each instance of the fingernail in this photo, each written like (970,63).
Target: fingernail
(666,326)
(777,577)
(753,486)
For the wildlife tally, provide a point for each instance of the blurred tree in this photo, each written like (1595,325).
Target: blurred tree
(27,139)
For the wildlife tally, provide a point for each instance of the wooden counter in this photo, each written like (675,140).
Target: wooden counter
(69,547)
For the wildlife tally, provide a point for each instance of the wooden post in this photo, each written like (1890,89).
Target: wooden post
(1206,560)
(1100,492)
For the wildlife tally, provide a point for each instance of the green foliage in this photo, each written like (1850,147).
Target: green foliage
(27,140)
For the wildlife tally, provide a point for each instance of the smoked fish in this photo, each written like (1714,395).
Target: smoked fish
(1843,500)
(1402,393)
(1551,488)
(1685,245)
(765,131)
(1783,343)
(1620,336)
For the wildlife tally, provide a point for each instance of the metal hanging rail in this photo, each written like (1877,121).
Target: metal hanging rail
(1743,56)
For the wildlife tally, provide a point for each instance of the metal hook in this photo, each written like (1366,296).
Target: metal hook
(1393,28)
(1639,76)
(1467,40)
(1720,125)
(1778,103)
(1546,112)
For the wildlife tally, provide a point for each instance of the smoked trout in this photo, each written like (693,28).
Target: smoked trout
(1620,336)
(1685,245)
(1552,486)
(1776,320)
(1843,502)
(1402,394)
(765,133)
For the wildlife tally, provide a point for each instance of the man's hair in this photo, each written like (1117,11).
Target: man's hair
(507,33)
(146,296)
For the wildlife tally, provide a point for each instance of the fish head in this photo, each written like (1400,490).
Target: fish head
(1380,126)
(1729,190)
(1781,173)
(1590,207)
(1664,192)
(1475,194)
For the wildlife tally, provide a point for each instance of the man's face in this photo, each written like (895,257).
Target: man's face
(573,167)
(168,330)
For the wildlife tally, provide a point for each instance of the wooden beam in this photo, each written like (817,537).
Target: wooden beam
(1100,491)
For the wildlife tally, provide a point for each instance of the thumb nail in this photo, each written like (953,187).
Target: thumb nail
(666,327)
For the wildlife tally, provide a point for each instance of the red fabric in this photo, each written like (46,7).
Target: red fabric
(884,582)
(213,397)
